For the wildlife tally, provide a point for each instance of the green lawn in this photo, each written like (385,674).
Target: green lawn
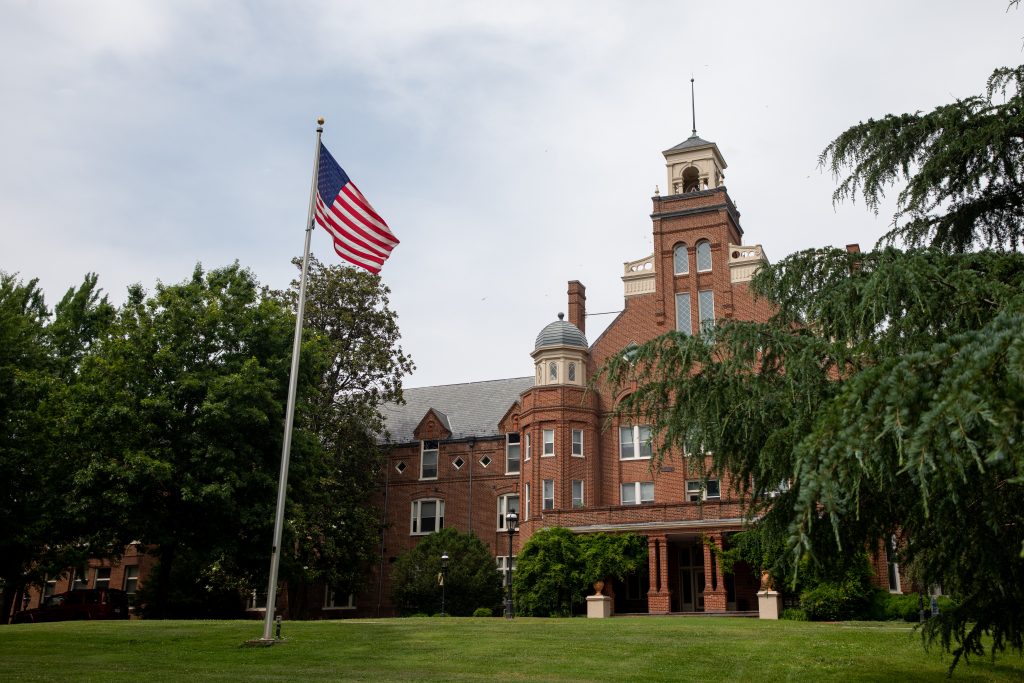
(453,649)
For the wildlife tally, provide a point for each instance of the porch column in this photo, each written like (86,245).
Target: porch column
(714,580)
(658,597)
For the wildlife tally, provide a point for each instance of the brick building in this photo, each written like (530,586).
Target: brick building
(543,445)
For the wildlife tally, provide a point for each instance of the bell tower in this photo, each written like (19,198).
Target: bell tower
(694,165)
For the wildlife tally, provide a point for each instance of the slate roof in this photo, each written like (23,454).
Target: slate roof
(561,332)
(689,143)
(472,409)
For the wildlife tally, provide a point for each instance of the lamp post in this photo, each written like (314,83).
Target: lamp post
(444,575)
(511,524)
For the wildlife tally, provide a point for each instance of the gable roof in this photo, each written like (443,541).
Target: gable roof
(473,409)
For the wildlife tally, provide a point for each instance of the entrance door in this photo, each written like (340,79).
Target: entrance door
(691,579)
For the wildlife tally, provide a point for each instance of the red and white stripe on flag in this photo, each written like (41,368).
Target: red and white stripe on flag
(360,235)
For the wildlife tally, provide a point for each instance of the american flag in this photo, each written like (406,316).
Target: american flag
(360,235)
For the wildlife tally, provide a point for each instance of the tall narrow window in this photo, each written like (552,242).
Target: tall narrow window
(506,504)
(428,460)
(577,442)
(703,256)
(706,303)
(553,371)
(101,577)
(683,322)
(529,446)
(681,259)
(572,372)
(577,493)
(512,453)
(131,581)
(427,516)
(548,501)
(894,567)
(526,506)
(549,442)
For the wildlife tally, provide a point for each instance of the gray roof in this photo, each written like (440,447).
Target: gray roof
(561,332)
(689,143)
(471,410)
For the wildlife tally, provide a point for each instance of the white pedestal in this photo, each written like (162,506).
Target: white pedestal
(769,604)
(599,607)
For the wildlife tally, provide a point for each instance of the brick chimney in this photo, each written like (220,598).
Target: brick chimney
(578,305)
(853,248)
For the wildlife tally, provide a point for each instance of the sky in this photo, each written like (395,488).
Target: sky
(511,147)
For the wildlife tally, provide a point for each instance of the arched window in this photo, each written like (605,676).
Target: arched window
(681,259)
(691,179)
(703,256)
(553,371)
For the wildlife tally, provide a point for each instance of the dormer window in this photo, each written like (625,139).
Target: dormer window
(703,256)
(681,259)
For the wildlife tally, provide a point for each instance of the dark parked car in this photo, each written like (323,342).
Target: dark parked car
(94,603)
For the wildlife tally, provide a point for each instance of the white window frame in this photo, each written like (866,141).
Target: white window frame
(544,452)
(637,490)
(547,502)
(697,249)
(529,446)
(686,259)
(552,371)
(416,516)
(577,493)
(501,564)
(699,488)
(526,506)
(436,450)
(570,373)
(706,309)
(97,580)
(637,444)
(130,579)
(895,585)
(504,501)
(331,600)
(577,452)
(508,449)
(684,313)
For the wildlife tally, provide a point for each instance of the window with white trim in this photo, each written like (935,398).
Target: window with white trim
(684,322)
(681,259)
(131,582)
(571,373)
(529,446)
(577,442)
(548,494)
(894,567)
(427,516)
(706,306)
(49,590)
(526,506)
(338,597)
(428,460)
(553,371)
(507,503)
(637,492)
(635,442)
(697,489)
(101,577)
(577,493)
(501,564)
(703,256)
(512,453)
(549,442)
(81,580)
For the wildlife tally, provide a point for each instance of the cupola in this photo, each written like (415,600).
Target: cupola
(560,354)
(694,165)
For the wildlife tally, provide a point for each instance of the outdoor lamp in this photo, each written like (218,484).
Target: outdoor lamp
(511,525)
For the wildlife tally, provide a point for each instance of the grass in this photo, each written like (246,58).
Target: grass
(456,649)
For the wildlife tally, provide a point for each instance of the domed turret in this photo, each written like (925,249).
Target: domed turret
(560,354)
(561,333)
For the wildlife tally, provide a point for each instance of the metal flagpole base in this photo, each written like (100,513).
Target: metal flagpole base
(264,642)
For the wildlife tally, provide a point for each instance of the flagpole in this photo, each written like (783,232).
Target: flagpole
(289,420)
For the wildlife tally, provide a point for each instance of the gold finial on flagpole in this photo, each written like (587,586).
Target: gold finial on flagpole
(320,120)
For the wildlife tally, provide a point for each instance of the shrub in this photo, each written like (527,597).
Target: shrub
(835,601)
(794,614)
(470,582)
(483,612)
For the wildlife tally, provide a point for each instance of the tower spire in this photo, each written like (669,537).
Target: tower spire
(693,108)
